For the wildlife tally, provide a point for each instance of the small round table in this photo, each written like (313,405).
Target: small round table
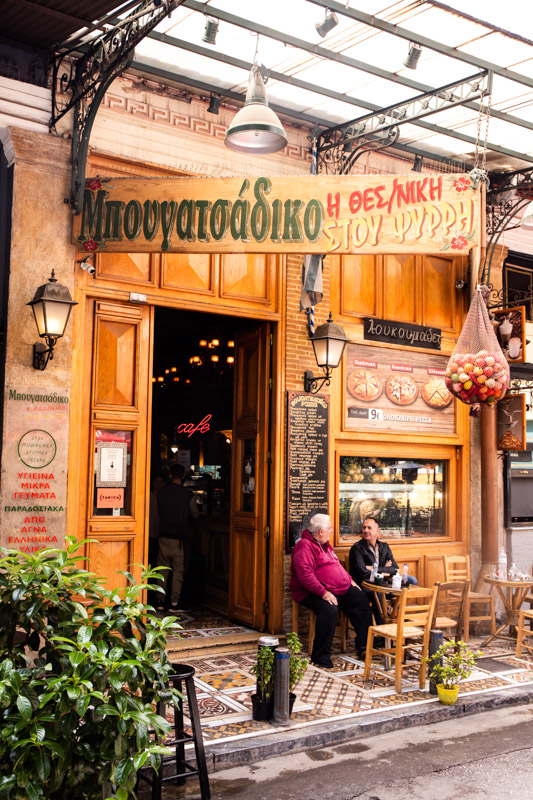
(513,594)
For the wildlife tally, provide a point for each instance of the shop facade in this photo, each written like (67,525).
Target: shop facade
(396,447)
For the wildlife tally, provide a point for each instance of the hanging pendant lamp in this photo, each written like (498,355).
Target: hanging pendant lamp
(256,128)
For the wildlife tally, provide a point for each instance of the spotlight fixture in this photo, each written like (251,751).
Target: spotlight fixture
(256,128)
(418,162)
(214,104)
(328,23)
(211,30)
(412,56)
(51,308)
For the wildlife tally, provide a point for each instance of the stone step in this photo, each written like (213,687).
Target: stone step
(207,646)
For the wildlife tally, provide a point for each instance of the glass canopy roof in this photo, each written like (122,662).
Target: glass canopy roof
(358,67)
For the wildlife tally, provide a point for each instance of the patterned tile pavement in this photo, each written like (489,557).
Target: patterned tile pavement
(225,685)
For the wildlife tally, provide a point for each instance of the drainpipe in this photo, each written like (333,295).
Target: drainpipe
(489,493)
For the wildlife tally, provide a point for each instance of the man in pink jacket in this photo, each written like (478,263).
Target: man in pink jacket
(320,582)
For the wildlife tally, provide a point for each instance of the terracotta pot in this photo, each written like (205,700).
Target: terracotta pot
(262,710)
(448,697)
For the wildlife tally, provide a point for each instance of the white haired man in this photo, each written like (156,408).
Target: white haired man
(320,582)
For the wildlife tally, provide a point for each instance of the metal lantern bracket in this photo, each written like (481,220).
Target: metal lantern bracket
(85,79)
(314,383)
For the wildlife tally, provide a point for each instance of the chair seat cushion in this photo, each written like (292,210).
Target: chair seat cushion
(445,622)
(391,631)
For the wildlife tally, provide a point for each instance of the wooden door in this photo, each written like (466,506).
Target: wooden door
(250,467)
(119,414)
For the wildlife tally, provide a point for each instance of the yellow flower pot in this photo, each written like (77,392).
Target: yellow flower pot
(448,697)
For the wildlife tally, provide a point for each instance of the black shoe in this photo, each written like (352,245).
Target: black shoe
(323,664)
(361,655)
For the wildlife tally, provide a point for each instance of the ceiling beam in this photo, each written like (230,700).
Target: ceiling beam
(143,67)
(411,36)
(331,55)
(246,65)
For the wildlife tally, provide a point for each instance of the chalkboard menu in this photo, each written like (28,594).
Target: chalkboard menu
(307,461)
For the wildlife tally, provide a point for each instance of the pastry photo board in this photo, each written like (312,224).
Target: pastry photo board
(397,390)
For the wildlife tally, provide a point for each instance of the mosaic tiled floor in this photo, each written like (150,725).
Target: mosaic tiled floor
(224,684)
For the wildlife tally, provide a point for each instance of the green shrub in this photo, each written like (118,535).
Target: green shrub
(78,693)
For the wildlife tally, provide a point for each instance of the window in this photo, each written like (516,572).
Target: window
(407,497)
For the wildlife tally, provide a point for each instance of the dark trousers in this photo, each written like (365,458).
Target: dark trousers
(355,605)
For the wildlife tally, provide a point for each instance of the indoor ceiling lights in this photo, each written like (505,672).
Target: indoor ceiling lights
(412,56)
(256,128)
(328,23)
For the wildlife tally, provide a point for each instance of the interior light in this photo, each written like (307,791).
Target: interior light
(173,369)
(187,380)
(153,380)
(231,343)
(174,448)
(160,379)
(256,127)
(230,359)
(214,358)
(328,23)
(167,371)
(176,379)
(203,343)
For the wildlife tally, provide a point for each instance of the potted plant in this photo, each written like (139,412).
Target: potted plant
(263,699)
(297,665)
(81,671)
(452,662)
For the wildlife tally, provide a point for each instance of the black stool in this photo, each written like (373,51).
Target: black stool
(181,673)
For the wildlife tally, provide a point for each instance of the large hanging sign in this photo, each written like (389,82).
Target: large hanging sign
(309,214)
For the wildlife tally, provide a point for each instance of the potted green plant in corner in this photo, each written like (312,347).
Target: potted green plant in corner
(81,671)
(263,699)
(297,665)
(451,663)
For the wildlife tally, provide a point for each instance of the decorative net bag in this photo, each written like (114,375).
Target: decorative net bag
(478,371)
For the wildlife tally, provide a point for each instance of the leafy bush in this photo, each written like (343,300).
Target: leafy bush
(81,671)
(263,670)
(297,663)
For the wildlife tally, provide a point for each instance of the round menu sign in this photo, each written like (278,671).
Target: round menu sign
(37,449)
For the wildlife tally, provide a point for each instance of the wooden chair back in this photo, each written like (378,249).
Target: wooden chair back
(416,609)
(450,605)
(457,568)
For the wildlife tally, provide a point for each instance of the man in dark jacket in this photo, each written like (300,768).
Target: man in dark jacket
(320,582)
(365,552)
(176,505)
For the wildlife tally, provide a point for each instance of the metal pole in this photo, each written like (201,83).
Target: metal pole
(435,641)
(281,686)
(489,492)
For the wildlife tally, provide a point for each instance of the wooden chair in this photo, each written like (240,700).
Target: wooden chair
(342,623)
(523,631)
(416,611)
(450,607)
(457,568)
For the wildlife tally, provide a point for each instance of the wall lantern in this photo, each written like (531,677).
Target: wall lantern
(256,128)
(51,307)
(329,341)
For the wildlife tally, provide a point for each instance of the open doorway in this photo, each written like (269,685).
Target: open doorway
(198,367)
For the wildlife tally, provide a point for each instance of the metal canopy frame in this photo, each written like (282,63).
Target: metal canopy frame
(81,84)
(340,146)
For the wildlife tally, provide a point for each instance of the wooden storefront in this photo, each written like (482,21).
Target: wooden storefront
(112,389)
